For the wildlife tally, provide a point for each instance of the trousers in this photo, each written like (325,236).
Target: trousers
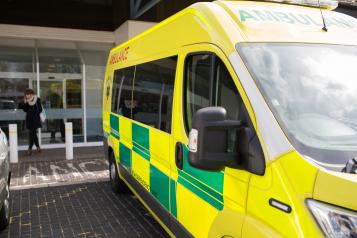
(33,139)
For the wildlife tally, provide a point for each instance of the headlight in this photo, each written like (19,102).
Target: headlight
(335,222)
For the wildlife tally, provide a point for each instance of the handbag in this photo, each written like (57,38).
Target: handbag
(42,114)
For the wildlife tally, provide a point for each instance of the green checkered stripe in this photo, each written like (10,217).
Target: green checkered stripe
(206,185)
(114,126)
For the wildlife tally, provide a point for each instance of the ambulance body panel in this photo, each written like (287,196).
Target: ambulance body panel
(147,123)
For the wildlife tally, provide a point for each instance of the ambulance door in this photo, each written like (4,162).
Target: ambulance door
(151,112)
(207,204)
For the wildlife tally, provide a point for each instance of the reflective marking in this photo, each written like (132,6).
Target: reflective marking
(275,140)
(193,137)
(279,205)
(265,15)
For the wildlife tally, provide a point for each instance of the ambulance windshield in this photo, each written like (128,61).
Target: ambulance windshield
(312,90)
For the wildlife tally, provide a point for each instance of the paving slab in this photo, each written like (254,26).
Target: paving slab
(79,210)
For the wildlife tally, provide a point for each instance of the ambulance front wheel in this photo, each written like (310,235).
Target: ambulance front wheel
(117,184)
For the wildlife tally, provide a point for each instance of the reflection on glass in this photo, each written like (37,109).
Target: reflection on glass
(312,90)
(197,79)
(74,93)
(16,74)
(14,59)
(153,92)
(59,61)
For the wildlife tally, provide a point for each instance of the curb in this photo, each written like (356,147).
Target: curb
(57,184)
(58,160)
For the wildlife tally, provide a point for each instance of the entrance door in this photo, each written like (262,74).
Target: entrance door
(62,100)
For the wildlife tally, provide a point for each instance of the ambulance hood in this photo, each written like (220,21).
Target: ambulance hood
(336,188)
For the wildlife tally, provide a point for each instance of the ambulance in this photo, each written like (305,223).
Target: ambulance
(238,119)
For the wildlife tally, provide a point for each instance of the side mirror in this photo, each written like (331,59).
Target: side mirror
(211,147)
(208,140)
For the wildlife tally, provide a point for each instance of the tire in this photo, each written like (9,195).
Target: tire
(5,210)
(116,183)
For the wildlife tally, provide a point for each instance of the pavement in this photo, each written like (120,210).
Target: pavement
(58,198)
(59,154)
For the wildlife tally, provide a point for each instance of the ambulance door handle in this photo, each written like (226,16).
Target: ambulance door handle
(179,155)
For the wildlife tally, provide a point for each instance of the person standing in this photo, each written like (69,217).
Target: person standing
(32,107)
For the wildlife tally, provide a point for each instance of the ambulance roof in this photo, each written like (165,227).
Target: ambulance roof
(279,22)
(226,23)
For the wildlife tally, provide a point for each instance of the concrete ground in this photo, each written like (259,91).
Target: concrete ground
(53,197)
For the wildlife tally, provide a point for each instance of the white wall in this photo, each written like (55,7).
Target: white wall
(129,29)
(53,33)
(123,33)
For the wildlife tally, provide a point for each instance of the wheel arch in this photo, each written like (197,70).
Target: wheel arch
(108,150)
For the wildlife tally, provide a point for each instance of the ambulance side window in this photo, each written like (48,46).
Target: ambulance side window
(116,90)
(226,95)
(208,83)
(153,93)
(122,91)
(197,84)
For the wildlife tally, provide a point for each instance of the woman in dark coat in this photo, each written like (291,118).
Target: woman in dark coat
(32,106)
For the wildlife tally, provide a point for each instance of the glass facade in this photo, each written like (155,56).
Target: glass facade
(67,76)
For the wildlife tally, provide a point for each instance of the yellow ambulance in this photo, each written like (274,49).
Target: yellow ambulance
(238,119)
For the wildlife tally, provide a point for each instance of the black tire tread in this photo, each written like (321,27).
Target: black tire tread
(117,184)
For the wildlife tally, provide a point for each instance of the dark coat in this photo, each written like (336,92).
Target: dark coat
(33,120)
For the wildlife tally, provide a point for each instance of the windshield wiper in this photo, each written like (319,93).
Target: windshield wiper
(351,166)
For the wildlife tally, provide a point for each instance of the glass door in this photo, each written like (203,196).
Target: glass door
(53,130)
(61,93)
(62,100)
(73,105)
